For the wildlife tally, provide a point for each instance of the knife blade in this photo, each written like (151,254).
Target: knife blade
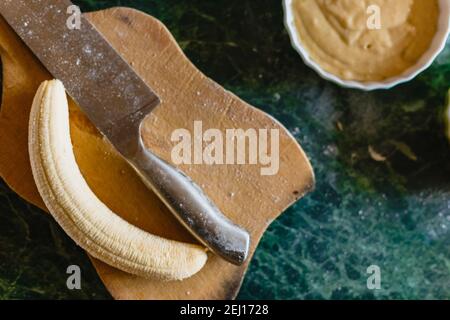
(116,100)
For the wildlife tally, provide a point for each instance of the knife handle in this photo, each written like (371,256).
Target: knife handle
(192,207)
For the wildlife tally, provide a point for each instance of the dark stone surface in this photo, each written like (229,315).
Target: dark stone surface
(394,214)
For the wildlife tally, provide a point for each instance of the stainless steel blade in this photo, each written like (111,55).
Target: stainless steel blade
(94,74)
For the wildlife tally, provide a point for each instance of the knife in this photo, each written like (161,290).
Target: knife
(116,100)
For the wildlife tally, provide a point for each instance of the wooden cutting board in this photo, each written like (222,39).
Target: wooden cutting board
(240,191)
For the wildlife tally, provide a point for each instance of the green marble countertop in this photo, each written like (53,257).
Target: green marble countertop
(394,214)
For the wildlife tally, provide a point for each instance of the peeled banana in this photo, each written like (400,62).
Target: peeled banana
(87,220)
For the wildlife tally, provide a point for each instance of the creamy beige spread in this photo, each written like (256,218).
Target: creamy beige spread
(337,36)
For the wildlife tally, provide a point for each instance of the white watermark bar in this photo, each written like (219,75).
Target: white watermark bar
(227,147)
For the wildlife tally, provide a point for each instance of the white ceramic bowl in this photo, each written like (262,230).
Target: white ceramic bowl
(424,62)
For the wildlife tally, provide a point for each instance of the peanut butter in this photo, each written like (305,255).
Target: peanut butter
(341,37)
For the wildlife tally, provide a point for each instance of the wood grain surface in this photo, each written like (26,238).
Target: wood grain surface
(240,191)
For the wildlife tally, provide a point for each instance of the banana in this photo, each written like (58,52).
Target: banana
(88,221)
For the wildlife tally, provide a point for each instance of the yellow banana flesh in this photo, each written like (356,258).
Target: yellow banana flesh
(88,221)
